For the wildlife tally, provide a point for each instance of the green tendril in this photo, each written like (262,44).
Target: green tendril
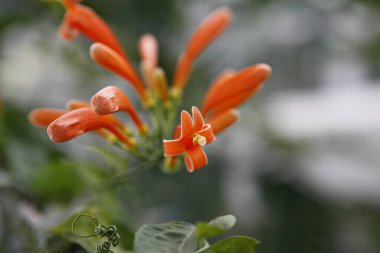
(110,232)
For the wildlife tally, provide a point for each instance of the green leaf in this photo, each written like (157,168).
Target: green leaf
(171,237)
(215,227)
(236,244)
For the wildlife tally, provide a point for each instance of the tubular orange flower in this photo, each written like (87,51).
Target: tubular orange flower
(111,99)
(82,19)
(208,30)
(223,120)
(194,135)
(111,60)
(80,121)
(44,116)
(236,89)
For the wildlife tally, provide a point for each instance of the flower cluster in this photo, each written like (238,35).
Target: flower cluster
(162,100)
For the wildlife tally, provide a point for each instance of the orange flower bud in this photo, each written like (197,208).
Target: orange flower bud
(44,116)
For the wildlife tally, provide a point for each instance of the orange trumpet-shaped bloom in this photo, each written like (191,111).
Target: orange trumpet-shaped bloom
(112,99)
(44,116)
(236,89)
(76,104)
(223,120)
(82,19)
(148,48)
(194,135)
(111,60)
(80,121)
(207,31)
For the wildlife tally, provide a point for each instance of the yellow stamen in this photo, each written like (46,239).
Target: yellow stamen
(199,139)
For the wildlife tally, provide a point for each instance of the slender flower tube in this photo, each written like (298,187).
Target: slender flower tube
(82,19)
(236,89)
(223,120)
(111,60)
(207,31)
(112,99)
(194,135)
(80,121)
(44,116)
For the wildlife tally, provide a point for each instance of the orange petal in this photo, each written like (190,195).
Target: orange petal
(207,132)
(80,121)
(186,124)
(206,32)
(197,118)
(111,60)
(215,87)
(173,147)
(82,19)
(148,47)
(236,89)
(195,158)
(44,116)
(223,120)
(112,99)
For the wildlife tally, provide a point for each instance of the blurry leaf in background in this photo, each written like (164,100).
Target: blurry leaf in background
(56,181)
(169,237)
(215,227)
(236,244)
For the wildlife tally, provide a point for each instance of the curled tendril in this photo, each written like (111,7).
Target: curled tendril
(100,230)
(93,219)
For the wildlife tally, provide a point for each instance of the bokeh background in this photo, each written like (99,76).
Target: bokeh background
(300,171)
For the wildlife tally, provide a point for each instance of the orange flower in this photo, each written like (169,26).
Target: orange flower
(230,91)
(111,60)
(208,30)
(82,19)
(111,99)
(194,135)
(44,116)
(80,121)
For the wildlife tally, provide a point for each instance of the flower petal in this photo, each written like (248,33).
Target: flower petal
(173,147)
(76,104)
(206,32)
(223,120)
(195,158)
(236,89)
(44,116)
(208,133)
(186,124)
(197,118)
(111,60)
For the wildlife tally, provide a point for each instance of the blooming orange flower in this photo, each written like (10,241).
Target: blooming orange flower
(194,135)
(80,121)
(111,99)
